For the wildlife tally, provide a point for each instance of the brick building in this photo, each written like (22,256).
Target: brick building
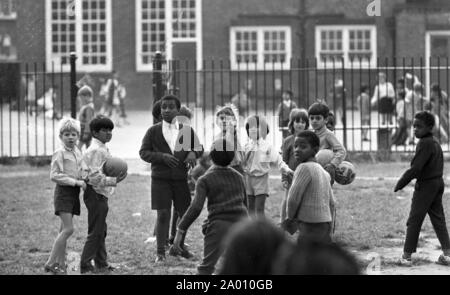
(249,36)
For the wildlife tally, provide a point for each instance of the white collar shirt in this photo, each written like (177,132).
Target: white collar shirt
(170,132)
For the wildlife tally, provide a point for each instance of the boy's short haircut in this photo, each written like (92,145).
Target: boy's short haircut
(402,93)
(426,117)
(260,122)
(364,88)
(417,87)
(435,87)
(101,122)
(156,112)
(85,91)
(319,108)
(172,97)
(69,124)
(295,115)
(185,111)
(311,137)
(291,94)
(222,152)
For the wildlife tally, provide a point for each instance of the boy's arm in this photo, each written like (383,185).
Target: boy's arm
(278,160)
(196,206)
(147,152)
(56,171)
(374,99)
(338,150)
(301,179)
(423,154)
(94,161)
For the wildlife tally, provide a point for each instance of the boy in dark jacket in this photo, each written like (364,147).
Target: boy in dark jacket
(427,167)
(171,148)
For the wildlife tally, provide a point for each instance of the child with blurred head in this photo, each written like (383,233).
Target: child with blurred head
(427,168)
(363,102)
(225,190)
(67,171)
(227,121)
(251,246)
(298,121)
(318,113)
(99,188)
(284,109)
(87,112)
(259,155)
(310,201)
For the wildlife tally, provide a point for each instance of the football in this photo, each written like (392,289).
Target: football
(345,173)
(114,167)
(324,157)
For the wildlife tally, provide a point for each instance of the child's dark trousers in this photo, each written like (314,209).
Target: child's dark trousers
(94,248)
(320,232)
(427,198)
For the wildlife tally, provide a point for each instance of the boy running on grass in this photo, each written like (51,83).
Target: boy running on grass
(225,189)
(427,167)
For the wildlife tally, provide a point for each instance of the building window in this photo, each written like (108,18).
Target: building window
(260,47)
(356,45)
(161,22)
(183,19)
(83,27)
(8,9)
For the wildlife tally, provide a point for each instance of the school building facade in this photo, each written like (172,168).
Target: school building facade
(246,37)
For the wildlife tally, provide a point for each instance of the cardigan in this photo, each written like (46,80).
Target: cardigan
(154,146)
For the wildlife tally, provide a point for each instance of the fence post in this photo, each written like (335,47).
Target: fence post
(158,89)
(73,86)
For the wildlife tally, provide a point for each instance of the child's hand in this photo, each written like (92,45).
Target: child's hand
(285,184)
(289,225)
(177,242)
(170,160)
(121,177)
(190,160)
(81,184)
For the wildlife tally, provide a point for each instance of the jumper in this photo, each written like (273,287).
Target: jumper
(310,197)
(329,141)
(225,190)
(67,166)
(428,162)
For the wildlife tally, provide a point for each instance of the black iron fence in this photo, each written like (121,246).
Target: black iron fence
(33,97)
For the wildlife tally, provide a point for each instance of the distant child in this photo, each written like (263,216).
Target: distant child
(227,120)
(363,101)
(122,94)
(331,121)
(86,114)
(171,148)
(99,188)
(427,167)
(403,120)
(298,121)
(283,111)
(310,202)
(225,190)
(251,247)
(259,155)
(318,113)
(67,172)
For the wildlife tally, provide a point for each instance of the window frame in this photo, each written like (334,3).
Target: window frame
(345,29)
(51,59)
(260,65)
(140,66)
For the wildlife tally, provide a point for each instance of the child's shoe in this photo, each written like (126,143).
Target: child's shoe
(103,269)
(405,262)
(86,268)
(55,268)
(443,260)
(160,258)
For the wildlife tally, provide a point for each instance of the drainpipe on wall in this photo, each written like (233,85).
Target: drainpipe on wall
(302,37)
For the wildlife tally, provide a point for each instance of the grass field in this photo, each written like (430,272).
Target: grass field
(369,216)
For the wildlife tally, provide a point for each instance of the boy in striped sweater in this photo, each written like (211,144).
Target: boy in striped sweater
(310,202)
(224,188)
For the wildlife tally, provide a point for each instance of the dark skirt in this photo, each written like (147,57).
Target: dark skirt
(386,105)
(67,199)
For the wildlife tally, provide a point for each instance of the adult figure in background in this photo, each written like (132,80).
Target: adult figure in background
(335,100)
(383,95)
(439,107)
(29,85)
(284,109)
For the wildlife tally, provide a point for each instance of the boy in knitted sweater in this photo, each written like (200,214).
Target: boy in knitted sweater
(224,188)
(310,202)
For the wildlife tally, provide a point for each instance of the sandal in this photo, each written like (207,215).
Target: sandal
(55,268)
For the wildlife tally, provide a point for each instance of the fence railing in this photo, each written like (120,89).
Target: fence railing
(34,97)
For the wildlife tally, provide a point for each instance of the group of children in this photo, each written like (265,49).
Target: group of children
(236,184)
